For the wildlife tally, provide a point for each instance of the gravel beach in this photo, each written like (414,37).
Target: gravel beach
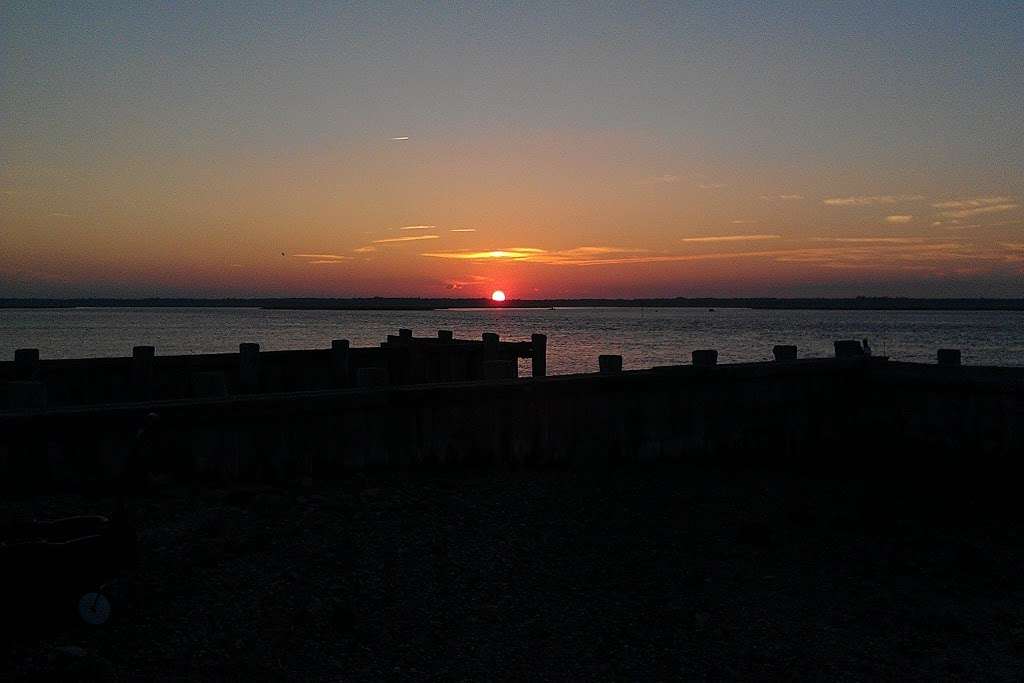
(666,571)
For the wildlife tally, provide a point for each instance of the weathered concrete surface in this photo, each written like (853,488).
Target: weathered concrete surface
(609,364)
(825,413)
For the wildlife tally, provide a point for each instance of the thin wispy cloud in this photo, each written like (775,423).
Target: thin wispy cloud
(782,197)
(399,138)
(871,240)
(334,257)
(59,214)
(462,230)
(711,186)
(586,255)
(591,251)
(608,256)
(872,200)
(893,255)
(965,213)
(742,222)
(417,227)
(976,206)
(322,259)
(844,253)
(899,218)
(368,249)
(410,238)
(974,202)
(473,281)
(955,225)
(731,238)
(508,254)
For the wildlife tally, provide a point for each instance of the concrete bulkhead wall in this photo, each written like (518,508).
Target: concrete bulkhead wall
(149,376)
(831,414)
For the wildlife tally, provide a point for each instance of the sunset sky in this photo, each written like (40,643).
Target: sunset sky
(619,150)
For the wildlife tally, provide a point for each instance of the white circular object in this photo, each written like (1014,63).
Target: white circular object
(94,608)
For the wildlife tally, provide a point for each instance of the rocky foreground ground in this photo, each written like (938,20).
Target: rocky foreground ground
(631,572)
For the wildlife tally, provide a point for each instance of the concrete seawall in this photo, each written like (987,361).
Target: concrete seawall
(400,360)
(830,412)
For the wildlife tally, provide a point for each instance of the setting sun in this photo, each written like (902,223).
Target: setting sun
(497,295)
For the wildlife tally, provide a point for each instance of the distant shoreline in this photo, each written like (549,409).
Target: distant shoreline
(413,304)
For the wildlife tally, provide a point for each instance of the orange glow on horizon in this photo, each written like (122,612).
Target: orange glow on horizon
(441,167)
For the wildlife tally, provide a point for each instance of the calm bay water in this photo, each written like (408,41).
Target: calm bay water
(576,336)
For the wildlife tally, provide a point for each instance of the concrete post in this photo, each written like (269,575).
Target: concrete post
(26,364)
(209,384)
(142,372)
(446,335)
(410,369)
(539,345)
(340,361)
(26,396)
(500,369)
(849,348)
(609,364)
(949,357)
(249,367)
(492,351)
(705,357)
(784,352)
(372,377)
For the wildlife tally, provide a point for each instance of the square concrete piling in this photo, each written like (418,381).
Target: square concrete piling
(849,348)
(539,353)
(340,361)
(705,357)
(784,352)
(609,364)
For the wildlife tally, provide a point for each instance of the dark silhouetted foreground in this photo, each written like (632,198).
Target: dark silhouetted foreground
(662,570)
